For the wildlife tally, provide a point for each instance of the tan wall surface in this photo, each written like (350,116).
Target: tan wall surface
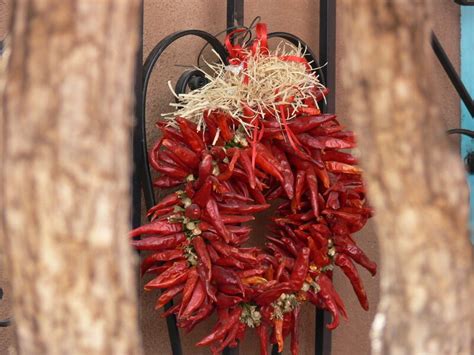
(301,18)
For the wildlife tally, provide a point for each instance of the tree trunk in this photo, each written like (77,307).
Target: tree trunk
(415,183)
(65,173)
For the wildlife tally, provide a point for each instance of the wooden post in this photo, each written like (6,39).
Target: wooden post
(416,184)
(65,175)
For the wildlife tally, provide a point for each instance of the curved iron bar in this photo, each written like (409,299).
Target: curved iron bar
(193,78)
(463,131)
(145,169)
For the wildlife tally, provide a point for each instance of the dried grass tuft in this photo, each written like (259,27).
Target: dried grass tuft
(271,82)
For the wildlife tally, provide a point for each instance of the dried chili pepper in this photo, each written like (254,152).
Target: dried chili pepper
(168,295)
(157,227)
(278,328)
(213,211)
(197,298)
(188,290)
(300,269)
(294,331)
(312,182)
(262,332)
(159,242)
(176,274)
(190,135)
(351,272)
(222,328)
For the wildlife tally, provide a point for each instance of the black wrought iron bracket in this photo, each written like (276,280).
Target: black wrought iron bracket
(465,2)
(452,73)
(192,79)
(4,322)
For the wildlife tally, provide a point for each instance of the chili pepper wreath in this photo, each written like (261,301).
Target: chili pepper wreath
(252,135)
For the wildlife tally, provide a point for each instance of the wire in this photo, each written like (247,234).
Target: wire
(243,35)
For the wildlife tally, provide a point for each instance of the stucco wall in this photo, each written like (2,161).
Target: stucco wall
(301,18)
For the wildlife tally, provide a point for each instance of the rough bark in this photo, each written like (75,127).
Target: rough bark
(65,171)
(415,182)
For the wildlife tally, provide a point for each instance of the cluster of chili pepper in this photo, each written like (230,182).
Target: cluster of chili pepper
(197,234)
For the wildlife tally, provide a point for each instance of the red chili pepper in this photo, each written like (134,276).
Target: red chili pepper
(230,167)
(246,163)
(169,132)
(205,170)
(299,189)
(259,270)
(351,249)
(262,332)
(212,252)
(189,286)
(190,135)
(168,295)
(172,171)
(211,126)
(212,210)
(306,123)
(334,155)
(241,208)
(300,269)
(330,300)
(193,211)
(336,167)
(170,311)
(230,262)
(295,348)
(236,219)
(268,162)
(159,269)
(162,212)
(258,196)
(202,196)
(152,157)
(223,124)
(351,272)
(270,295)
(201,250)
(166,255)
(201,314)
(227,301)
(159,242)
(226,277)
(169,157)
(197,299)
(278,329)
(280,269)
(346,216)
(320,259)
(233,196)
(205,276)
(332,200)
(167,201)
(187,156)
(312,182)
(286,170)
(221,328)
(164,182)
(175,275)
(157,227)
(325,142)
